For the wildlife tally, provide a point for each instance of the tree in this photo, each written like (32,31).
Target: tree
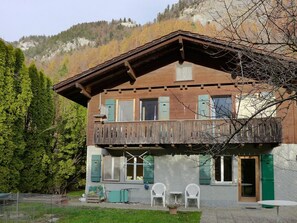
(38,133)
(68,155)
(16,95)
(266,34)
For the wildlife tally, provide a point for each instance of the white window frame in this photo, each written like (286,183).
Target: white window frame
(134,157)
(113,160)
(184,72)
(118,112)
(141,114)
(222,181)
(212,105)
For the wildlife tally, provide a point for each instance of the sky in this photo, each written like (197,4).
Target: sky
(20,18)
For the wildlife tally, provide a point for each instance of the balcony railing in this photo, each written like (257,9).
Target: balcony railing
(188,132)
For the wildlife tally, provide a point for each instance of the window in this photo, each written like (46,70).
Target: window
(125,111)
(149,109)
(111,168)
(184,72)
(249,104)
(221,106)
(134,168)
(223,169)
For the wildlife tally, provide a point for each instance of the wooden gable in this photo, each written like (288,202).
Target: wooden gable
(177,46)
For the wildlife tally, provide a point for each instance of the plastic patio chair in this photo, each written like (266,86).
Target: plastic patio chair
(192,192)
(158,191)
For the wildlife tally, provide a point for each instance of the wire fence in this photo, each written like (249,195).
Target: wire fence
(21,207)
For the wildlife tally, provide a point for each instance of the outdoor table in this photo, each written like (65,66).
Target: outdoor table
(175,194)
(277,204)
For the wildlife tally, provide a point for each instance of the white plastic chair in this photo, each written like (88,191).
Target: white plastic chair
(158,191)
(192,192)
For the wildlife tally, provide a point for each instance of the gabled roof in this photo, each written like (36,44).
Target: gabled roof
(176,46)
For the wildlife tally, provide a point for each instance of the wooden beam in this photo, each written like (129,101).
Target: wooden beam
(130,72)
(83,90)
(181,50)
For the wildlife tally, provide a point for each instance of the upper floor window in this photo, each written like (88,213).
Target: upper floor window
(149,109)
(125,111)
(184,72)
(223,169)
(221,106)
(248,105)
(214,106)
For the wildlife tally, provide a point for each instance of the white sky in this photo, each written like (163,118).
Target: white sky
(20,18)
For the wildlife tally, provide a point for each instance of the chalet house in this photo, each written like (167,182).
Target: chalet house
(159,112)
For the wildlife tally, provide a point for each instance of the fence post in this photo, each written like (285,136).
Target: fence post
(17,205)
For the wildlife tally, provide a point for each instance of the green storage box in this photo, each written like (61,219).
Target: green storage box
(118,196)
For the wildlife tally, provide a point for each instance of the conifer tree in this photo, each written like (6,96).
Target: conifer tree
(38,133)
(69,151)
(15,97)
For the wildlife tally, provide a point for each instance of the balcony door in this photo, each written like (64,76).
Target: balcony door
(149,109)
(125,112)
(248,178)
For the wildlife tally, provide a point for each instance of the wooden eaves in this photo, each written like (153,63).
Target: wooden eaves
(177,46)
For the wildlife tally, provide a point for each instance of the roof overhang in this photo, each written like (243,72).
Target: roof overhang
(177,46)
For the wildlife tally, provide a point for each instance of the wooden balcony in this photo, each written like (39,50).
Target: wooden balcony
(186,132)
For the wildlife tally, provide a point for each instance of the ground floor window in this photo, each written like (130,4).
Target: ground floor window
(111,168)
(134,168)
(223,168)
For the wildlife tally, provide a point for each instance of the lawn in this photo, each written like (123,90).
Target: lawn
(75,193)
(106,215)
(37,212)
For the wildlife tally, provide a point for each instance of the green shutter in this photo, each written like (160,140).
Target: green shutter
(148,170)
(164,108)
(110,106)
(203,106)
(96,168)
(267,172)
(204,169)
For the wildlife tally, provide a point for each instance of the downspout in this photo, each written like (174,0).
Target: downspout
(100,103)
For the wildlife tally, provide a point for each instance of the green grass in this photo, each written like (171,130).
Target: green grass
(106,215)
(36,212)
(75,193)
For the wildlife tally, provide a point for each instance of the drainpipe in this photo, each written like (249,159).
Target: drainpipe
(100,103)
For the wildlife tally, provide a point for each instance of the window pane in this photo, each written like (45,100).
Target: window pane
(130,171)
(116,171)
(139,171)
(125,111)
(222,106)
(227,168)
(218,169)
(107,167)
(111,168)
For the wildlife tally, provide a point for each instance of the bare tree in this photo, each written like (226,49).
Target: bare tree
(266,31)
(264,26)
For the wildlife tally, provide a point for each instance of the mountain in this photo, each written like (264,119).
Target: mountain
(88,44)
(204,11)
(79,36)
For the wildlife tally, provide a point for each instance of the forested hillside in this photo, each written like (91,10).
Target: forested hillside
(77,37)
(69,64)
(174,11)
